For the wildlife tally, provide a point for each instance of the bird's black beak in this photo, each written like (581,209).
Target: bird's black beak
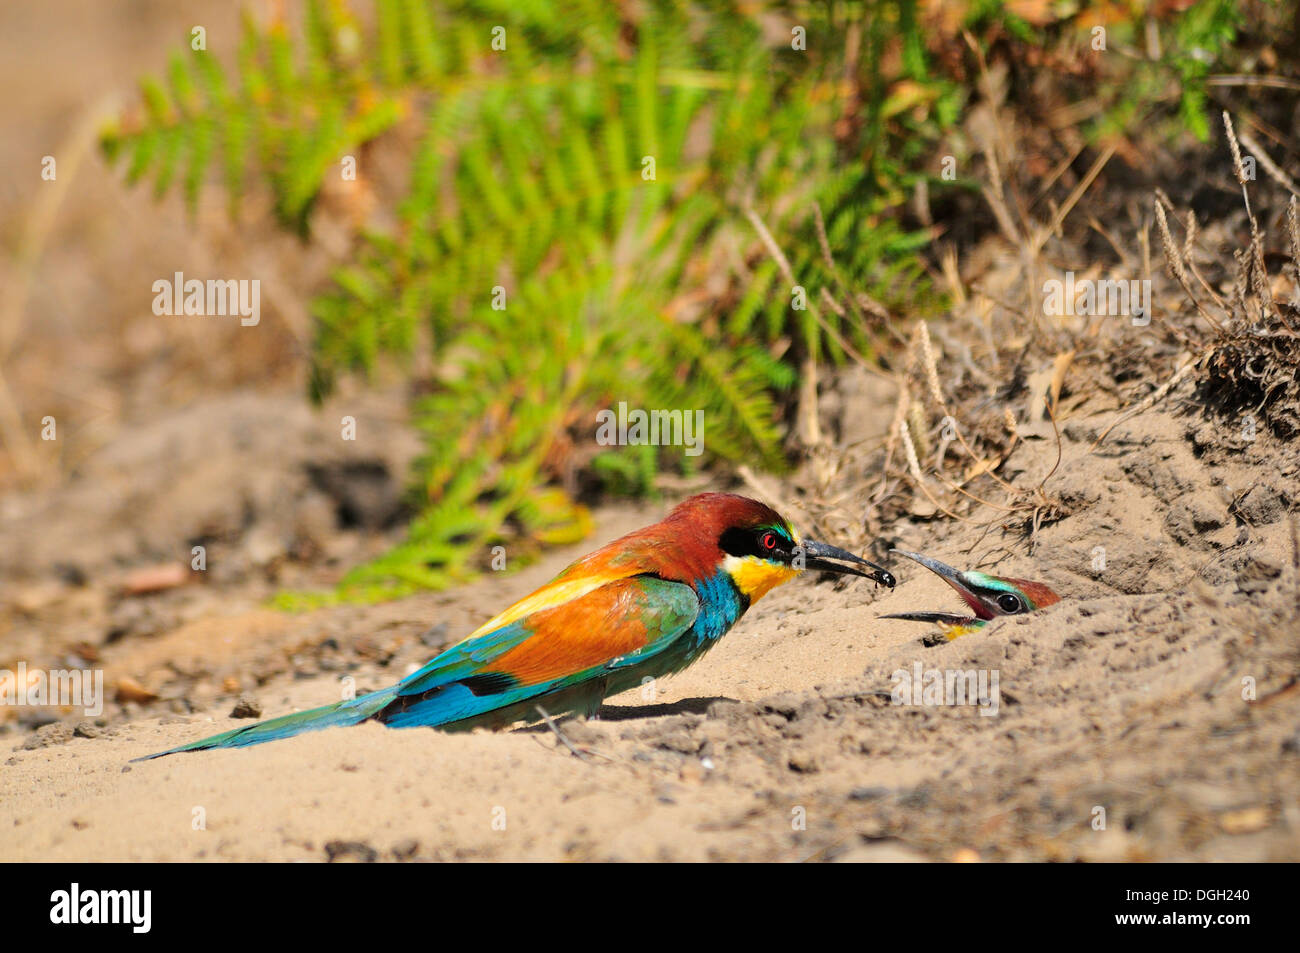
(948,574)
(953,577)
(819,555)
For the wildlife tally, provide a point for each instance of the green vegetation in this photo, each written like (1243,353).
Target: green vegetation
(600,177)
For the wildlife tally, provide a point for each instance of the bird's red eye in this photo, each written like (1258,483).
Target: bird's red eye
(769,541)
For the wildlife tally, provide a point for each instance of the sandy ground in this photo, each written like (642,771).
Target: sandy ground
(1130,702)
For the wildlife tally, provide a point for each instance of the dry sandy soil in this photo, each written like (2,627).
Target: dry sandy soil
(1133,695)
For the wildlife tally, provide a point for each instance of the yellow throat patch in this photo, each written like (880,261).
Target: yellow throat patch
(957,630)
(756,577)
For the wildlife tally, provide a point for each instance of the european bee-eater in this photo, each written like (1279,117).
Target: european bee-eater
(644,606)
(988,597)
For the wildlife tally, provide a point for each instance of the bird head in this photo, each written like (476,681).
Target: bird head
(989,597)
(759,549)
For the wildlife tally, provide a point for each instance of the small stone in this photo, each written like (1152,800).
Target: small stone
(340,851)
(55,734)
(406,849)
(129,690)
(246,707)
(804,762)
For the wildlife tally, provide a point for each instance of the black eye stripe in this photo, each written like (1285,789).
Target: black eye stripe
(754,542)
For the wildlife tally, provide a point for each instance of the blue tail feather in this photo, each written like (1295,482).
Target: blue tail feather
(349,712)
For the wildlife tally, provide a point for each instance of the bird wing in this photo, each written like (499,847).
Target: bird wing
(604,628)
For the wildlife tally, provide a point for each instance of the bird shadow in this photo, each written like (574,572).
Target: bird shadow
(691,706)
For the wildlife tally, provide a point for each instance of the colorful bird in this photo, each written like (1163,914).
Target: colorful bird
(988,596)
(644,606)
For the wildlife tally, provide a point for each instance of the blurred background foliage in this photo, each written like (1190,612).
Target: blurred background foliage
(612,207)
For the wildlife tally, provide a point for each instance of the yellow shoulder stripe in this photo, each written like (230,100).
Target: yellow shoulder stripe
(551,595)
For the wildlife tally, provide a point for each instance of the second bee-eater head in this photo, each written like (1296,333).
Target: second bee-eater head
(758,548)
(988,597)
